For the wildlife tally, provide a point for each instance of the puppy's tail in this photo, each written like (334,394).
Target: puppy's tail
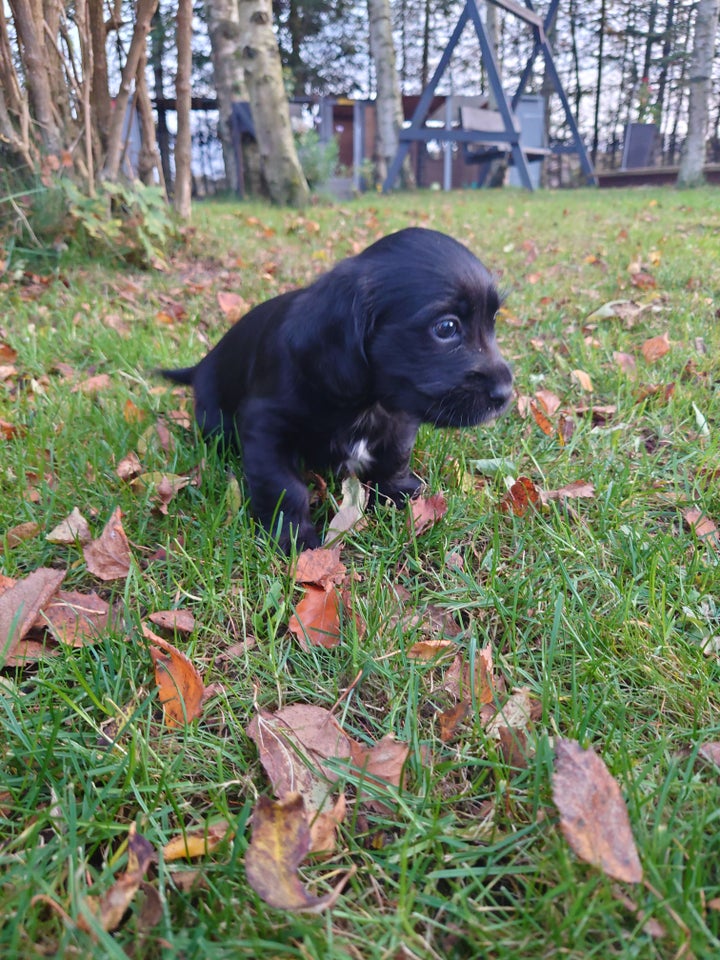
(183,375)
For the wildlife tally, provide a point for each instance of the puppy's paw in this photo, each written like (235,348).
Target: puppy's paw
(399,490)
(303,535)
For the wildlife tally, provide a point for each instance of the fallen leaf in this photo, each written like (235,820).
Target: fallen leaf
(548,400)
(582,379)
(8,430)
(316,620)
(425,512)
(626,362)
(73,529)
(702,526)
(198,842)
(450,720)
(593,814)
(471,682)
(163,487)
(576,489)
(20,605)
(279,844)
(383,763)
(93,384)
(108,557)
(655,348)
(321,567)
(129,467)
(431,649)
(181,620)
(522,496)
(110,909)
(711,753)
(324,826)
(515,713)
(75,618)
(351,510)
(643,280)
(541,420)
(132,413)
(17,534)
(232,305)
(178,680)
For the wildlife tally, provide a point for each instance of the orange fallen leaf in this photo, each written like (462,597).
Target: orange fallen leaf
(431,649)
(280,842)
(425,512)
(232,305)
(8,430)
(656,347)
(467,681)
(17,534)
(93,384)
(541,420)
(316,620)
(450,720)
(593,814)
(321,567)
(522,496)
(178,680)
(548,400)
(582,379)
(108,557)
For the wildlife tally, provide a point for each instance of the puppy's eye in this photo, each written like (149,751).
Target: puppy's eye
(448,328)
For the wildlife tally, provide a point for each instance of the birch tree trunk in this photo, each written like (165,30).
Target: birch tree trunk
(224,29)
(693,156)
(183,102)
(388,104)
(260,59)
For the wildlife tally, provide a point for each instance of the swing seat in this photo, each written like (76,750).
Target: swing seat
(494,143)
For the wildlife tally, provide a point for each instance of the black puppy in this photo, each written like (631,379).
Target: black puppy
(342,373)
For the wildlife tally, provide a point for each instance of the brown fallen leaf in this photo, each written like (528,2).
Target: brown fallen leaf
(181,620)
(655,348)
(316,620)
(711,753)
(541,420)
(548,400)
(702,526)
(198,842)
(75,618)
(471,682)
(232,305)
(17,534)
(279,844)
(576,489)
(100,381)
(431,649)
(425,512)
(109,909)
(108,557)
(178,680)
(20,605)
(383,762)
(320,567)
(73,529)
(626,362)
(162,487)
(351,510)
(582,379)
(449,721)
(129,467)
(593,814)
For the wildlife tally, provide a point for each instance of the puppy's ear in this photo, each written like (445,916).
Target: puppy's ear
(328,329)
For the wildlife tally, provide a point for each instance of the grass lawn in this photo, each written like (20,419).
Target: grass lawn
(605,608)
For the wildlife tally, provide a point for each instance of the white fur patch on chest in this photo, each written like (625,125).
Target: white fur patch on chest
(358,457)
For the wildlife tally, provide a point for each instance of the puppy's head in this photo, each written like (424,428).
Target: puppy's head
(431,346)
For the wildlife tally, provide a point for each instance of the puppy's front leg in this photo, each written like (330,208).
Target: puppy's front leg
(277,492)
(390,474)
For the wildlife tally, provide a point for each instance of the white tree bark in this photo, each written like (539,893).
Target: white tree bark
(388,103)
(224,29)
(693,158)
(260,59)
(183,100)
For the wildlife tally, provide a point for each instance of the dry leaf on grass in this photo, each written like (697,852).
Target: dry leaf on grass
(321,567)
(75,618)
(181,620)
(575,490)
(351,510)
(711,753)
(198,842)
(702,526)
(431,649)
(129,467)
(466,681)
(280,842)
(593,815)
(108,557)
(425,512)
(73,529)
(655,348)
(19,533)
(522,497)
(582,379)
(541,420)
(109,910)
(316,620)
(178,680)
(383,762)
(20,605)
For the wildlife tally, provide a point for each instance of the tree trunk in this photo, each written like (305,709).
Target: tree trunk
(388,103)
(157,49)
(598,88)
(144,14)
(281,168)
(666,51)
(30,36)
(101,103)
(224,30)
(183,143)
(693,157)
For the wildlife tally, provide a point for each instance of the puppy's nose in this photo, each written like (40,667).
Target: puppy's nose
(501,388)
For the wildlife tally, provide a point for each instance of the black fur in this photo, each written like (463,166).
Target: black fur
(348,368)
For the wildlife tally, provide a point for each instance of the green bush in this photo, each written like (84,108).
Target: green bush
(318,159)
